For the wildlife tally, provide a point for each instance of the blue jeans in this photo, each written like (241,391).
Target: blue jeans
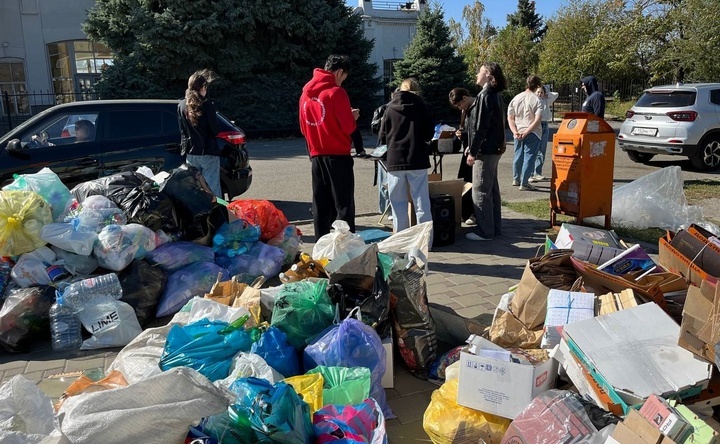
(382,184)
(416,183)
(540,160)
(209,166)
(524,160)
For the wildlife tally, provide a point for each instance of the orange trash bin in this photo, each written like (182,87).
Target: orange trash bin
(583,160)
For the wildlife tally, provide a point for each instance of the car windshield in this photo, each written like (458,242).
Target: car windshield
(666,99)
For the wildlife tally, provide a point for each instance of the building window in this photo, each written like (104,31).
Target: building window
(76,66)
(12,82)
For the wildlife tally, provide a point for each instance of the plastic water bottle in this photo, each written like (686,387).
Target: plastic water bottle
(64,326)
(95,290)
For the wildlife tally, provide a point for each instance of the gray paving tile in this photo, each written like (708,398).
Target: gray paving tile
(35,366)
(469,300)
(408,433)
(473,311)
(410,408)
(407,384)
(467,289)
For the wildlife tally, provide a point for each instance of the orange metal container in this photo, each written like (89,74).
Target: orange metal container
(583,158)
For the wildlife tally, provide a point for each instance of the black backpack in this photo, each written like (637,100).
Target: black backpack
(377,118)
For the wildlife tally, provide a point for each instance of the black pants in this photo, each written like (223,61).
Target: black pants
(357,141)
(333,188)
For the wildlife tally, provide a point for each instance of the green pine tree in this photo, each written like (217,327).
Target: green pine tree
(434,62)
(263,52)
(527,17)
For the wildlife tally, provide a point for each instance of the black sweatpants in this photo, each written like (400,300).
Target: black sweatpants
(333,188)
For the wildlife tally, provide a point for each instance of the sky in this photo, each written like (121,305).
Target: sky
(497,10)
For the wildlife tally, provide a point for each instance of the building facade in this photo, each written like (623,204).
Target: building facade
(392,25)
(45,58)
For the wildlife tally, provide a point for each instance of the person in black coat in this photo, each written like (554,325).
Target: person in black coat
(485,128)
(407,129)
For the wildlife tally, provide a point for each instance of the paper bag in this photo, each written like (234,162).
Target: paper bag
(249,298)
(225,292)
(508,332)
(553,270)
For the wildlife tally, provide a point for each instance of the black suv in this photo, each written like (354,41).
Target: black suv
(82,141)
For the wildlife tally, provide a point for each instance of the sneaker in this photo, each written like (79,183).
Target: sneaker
(528,187)
(390,217)
(515,183)
(536,178)
(474,237)
(472,221)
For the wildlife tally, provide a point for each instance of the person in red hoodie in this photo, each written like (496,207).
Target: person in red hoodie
(327,120)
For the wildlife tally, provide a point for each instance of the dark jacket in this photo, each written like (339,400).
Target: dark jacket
(406,129)
(595,102)
(199,140)
(485,123)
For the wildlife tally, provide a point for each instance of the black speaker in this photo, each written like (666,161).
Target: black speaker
(443,214)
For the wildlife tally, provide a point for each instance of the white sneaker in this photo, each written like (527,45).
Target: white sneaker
(536,178)
(528,187)
(472,221)
(474,237)
(515,183)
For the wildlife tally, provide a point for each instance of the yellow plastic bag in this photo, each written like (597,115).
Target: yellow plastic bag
(310,389)
(22,216)
(446,422)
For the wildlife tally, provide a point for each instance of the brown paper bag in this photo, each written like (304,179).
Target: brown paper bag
(225,292)
(250,299)
(508,332)
(553,270)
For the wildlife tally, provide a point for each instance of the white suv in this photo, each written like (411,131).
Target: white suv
(682,120)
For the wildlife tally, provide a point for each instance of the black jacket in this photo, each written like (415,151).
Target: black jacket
(485,123)
(199,140)
(595,102)
(406,129)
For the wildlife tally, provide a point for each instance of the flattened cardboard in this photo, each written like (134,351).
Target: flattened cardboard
(699,331)
(635,351)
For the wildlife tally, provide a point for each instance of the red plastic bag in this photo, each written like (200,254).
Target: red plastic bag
(261,213)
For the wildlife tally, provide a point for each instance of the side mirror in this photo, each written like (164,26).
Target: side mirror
(14,145)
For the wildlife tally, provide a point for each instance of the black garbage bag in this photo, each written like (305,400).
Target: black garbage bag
(25,317)
(374,303)
(142,286)
(188,189)
(115,187)
(197,213)
(146,205)
(413,325)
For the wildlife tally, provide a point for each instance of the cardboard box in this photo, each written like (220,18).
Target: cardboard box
(623,350)
(637,430)
(702,433)
(700,251)
(455,189)
(612,302)
(499,387)
(388,379)
(603,282)
(698,330)
(672,259)
(665,418)
(569,234)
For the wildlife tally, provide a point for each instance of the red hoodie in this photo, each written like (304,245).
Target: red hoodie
(326,118)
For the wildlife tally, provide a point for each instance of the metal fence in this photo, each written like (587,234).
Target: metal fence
(17,108)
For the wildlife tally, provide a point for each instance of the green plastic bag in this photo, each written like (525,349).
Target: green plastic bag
(22,216)
(344,385)
(302,310)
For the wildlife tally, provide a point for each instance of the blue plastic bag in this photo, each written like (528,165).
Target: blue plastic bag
(234,238)
(261,260)
(176,255)
(194,280)
(351,344)
(281,356)
(206,346)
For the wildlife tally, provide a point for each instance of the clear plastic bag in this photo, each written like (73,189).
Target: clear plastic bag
(67,237)
(118,245)
(654,200)
(260,260)
(31,268)
(289,241)
(234,238)
(95,213)
(75,263)
(48,185)
(176,255)
(246,365)
(194,280)
(25,317)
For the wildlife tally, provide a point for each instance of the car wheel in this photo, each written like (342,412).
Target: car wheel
(708,154)
(639,157)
